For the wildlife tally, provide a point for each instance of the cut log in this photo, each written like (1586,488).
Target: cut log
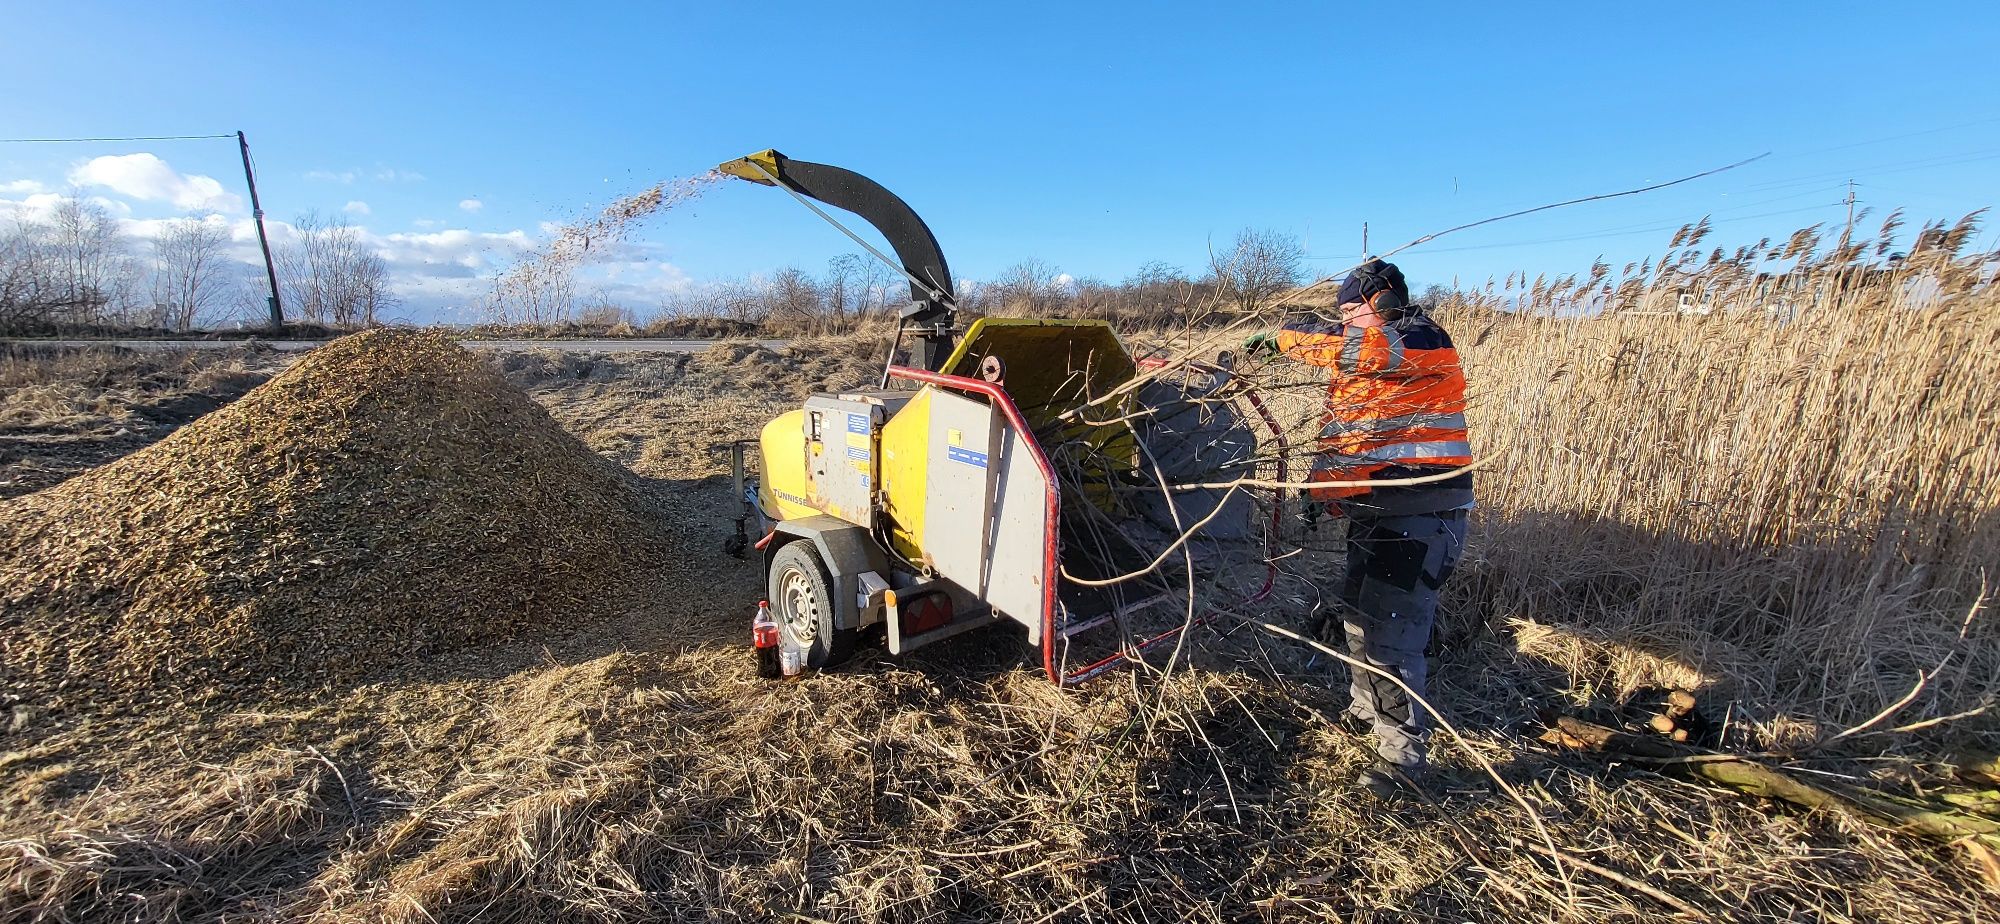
(1985,803)
(1756,779)
(1680,703)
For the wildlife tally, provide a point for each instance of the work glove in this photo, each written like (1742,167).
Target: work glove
(1261,343)
(1310,514)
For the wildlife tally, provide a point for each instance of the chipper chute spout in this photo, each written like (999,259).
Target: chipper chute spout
(933,305)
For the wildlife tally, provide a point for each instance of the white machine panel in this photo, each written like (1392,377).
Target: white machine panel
(1020,535)
(984,481)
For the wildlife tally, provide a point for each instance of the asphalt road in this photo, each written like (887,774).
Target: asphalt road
(580,346)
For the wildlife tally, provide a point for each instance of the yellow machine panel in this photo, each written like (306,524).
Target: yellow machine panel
(906,444)
(782,446)
(1050,366)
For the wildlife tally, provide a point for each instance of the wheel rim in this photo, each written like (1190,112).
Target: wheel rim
(801,606)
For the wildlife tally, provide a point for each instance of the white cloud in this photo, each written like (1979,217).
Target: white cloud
(146,177)
(147,229)
(398,175)
(35,207)
(471,205)
(21,187)
(115,207)
(456,252)
(357,207)
(330,176)
(426,223)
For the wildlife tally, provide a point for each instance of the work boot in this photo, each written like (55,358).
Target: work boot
(1390,783)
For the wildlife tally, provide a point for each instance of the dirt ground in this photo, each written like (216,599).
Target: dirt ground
(632,767)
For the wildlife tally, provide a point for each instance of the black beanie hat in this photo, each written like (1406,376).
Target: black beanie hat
(1372,277)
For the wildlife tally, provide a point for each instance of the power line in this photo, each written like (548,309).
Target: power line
(131,138)
(1887,138)
(1646,226)
(1652,230)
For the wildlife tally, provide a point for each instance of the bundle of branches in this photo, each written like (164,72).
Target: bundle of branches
(1968,818)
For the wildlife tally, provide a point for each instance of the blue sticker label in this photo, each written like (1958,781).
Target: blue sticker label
(967,456)
(857,453)
(857,423)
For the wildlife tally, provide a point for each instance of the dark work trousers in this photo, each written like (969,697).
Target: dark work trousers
(1395,566)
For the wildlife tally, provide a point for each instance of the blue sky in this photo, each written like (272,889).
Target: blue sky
(1094,138)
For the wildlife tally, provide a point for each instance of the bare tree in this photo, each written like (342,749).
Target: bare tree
(1029,287)
(92,273)
(28,291)
(331,276)
(1259,265)
(794,297)
(843,288)
(880,286)
(600,310)
(191,273)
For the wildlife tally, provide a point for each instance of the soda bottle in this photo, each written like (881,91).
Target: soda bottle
(764,635)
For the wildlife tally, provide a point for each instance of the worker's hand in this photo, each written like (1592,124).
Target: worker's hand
(1261,343)
(1310,513)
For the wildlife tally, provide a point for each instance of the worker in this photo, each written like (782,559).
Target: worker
(1395,410)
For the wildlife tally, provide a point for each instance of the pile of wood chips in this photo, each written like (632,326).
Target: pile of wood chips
(388,498)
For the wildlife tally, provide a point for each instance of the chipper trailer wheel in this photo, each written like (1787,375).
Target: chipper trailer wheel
(802,600)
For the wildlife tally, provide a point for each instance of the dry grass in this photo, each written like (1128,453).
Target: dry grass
(65,388)
(65,411)
(1792,516)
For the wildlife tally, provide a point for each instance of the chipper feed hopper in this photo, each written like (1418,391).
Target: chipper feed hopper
(1010,472)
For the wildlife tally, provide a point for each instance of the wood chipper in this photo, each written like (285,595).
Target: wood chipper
(1014,471)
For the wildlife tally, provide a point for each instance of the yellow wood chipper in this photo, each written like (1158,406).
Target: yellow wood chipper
(1014,471)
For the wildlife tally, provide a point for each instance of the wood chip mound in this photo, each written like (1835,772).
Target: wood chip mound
(388,498)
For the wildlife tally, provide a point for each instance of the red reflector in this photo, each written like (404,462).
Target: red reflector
(925,613)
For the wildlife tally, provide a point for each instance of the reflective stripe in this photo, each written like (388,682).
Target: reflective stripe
(1354,338)
(1398,452)
(1425,420)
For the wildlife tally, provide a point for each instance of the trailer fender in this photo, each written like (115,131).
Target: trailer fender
(848,552)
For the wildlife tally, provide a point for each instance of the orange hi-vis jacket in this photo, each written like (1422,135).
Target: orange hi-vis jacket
(1395,409)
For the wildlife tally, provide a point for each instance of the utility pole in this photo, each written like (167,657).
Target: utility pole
(1364,240)
(1850,213)
(263,242)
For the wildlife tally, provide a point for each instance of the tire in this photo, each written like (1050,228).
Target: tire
(801,596)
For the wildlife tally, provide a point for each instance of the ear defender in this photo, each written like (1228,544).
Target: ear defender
(1386,301)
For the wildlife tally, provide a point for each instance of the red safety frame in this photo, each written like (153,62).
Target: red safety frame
(1051,570)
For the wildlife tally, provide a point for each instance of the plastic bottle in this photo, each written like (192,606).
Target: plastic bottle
(765,636)
(793,658)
